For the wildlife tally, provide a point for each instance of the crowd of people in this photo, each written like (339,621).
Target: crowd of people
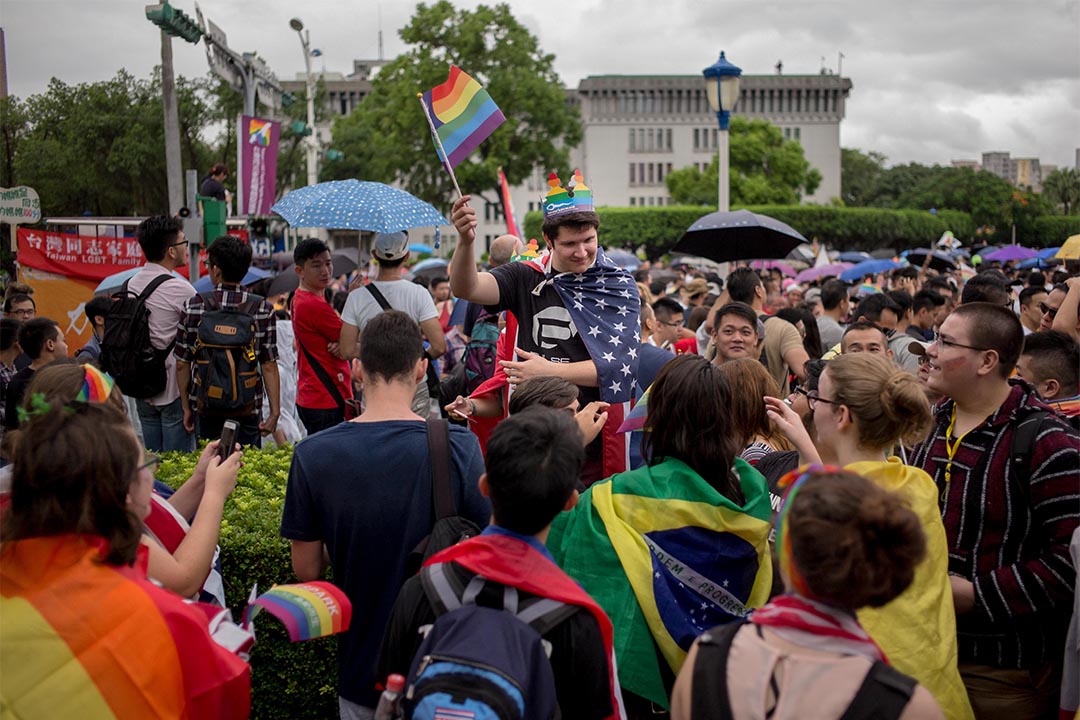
(554,485)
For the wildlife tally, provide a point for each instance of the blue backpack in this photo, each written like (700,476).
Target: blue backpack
(483,663)
(480,352)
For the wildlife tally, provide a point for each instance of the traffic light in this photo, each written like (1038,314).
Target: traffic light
(287,99)
(174,22)
(334,155)
(299,127)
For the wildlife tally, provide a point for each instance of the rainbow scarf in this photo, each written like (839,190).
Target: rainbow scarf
(510,561)
(813,624)
(86,639)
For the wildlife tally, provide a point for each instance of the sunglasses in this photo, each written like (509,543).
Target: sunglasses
(1047,310)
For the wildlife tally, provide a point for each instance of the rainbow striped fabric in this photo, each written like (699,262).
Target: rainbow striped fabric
(86,639)
(308,610)
(462,114)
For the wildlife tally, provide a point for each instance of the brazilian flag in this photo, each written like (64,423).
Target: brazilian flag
(667,557)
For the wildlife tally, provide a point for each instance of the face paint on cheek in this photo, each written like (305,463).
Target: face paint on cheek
(953,364)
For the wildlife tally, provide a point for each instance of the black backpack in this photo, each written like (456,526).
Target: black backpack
(883,695)
(126,353)
(449,527)
(226,366)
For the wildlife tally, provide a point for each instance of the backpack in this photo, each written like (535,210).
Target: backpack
(481,662)
(126,352)
(883,695)
(449,528)
(479,357)
(226,371)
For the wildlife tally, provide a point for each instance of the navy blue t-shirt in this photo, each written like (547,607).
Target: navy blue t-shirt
(364,489)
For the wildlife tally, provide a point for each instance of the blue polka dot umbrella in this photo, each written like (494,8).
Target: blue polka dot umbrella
(356,205)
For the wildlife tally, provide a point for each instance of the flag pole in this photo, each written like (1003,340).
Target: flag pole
(438,142)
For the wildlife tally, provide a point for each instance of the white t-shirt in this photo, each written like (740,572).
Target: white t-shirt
(408,297)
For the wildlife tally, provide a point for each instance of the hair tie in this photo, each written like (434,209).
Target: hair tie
(792,483)
(97,386)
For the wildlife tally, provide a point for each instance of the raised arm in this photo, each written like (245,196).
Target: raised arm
(465,281)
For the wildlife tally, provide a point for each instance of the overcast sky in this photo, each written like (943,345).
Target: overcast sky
(933,81)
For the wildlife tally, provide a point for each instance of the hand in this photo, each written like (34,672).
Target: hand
(963,593)
(334,349)
(591,420)
(208,452)
(221,476)
(1073,283)
(189,419)
(460,408)
(357,282)
(267,426)
(789,423)
(464,219)
(530,365)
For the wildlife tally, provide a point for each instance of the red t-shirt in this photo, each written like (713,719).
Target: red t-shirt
(315,325)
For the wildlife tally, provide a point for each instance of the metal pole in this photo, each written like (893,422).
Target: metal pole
(313,138)
(193,225)
(173,169)
(722,164)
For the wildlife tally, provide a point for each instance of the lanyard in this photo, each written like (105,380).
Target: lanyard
(950,449)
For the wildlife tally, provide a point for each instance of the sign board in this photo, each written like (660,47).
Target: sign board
(19,206)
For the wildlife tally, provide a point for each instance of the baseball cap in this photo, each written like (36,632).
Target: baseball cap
(391,246)
(697,286)
(917,348)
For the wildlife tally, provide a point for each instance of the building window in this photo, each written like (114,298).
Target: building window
(651,181)
(715,138)
(641,139)
(659,173)
(633,175)
(817,101)
(641,201)
(652,139)
(667,134)
(797,139)
(787,133)
(668,172)
(697,138)
(633,138)
(633,201)
(641,173)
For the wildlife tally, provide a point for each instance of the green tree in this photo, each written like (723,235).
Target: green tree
(13,126)
(985,196)
(858,173)
(387,138)
(891,183)
(764,169)
(1061,188)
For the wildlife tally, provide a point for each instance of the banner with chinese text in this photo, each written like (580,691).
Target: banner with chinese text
(88,257)
(257,140)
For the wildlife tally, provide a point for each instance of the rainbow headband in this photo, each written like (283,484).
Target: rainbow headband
(575,197)
(792,483)
(97,386)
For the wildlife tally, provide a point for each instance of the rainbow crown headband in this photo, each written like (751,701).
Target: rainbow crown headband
(576,197)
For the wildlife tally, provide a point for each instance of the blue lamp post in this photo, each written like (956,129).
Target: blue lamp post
(722,91)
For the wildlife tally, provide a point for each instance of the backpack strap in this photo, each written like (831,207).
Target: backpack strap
(210,300)
(543,614)
(883,695)
(438,435)
(151,287)
(379,297)
(709,694)
(1023,446)
(442,587)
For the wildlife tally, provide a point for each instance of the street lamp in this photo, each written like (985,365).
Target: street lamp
(722,90)
(312,139)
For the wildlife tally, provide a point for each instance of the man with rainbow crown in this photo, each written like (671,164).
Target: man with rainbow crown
(577,312)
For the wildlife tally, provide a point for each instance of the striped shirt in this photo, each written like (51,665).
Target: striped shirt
(1011,540)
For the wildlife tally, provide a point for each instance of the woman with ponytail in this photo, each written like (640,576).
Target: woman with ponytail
(865,407)
(843,544)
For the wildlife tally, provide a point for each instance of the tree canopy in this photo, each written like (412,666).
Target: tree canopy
(1062,189)
(764,169)
(387,137)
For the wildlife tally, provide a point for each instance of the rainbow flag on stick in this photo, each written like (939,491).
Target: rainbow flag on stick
(308,610)
(461,115)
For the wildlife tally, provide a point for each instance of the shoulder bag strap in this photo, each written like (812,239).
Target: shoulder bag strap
(709,693)
(379,297)
(883,695)
(324,377)
(438,434)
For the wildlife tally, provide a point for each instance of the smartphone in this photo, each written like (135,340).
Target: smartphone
(228,440)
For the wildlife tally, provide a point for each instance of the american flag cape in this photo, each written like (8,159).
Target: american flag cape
(604,304)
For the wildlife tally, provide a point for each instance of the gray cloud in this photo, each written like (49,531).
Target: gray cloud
(933,80)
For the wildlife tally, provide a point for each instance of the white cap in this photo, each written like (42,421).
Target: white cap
(391,246)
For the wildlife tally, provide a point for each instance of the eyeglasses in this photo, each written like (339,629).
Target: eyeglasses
(151,463)
(812,399)
(177,244)
(668,324)
(950,343)
(923,360)
(24,313)
(1047,310)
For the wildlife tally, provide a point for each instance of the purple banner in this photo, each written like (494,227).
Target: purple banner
(257,140)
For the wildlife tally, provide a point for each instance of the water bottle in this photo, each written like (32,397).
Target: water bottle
(389,707)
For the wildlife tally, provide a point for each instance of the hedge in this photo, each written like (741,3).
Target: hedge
(288,680)
(656,229)
(1052,230)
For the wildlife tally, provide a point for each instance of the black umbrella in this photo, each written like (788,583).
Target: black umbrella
(344,261)
(738,235)
(939,260)
(284,282)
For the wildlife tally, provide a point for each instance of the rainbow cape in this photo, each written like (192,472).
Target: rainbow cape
(308,610)
(462,115)
(667,557)
(85,639)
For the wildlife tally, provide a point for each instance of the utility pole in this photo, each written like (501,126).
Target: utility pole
(173,169)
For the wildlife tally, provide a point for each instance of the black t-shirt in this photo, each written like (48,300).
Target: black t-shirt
(14,393)
(578,661)
(212,188)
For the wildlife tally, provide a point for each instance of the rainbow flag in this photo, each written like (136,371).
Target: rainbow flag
(309,610)
(462,114)
(667,557)
(85,639)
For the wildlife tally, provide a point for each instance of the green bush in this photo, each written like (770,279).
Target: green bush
(288,680)
(656,229)
(1053,230)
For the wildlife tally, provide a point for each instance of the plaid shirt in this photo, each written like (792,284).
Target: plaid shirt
(229,296)
(1011,541)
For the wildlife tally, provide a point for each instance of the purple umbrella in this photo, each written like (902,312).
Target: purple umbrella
(1011,252)
(817,273)
(783,267)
